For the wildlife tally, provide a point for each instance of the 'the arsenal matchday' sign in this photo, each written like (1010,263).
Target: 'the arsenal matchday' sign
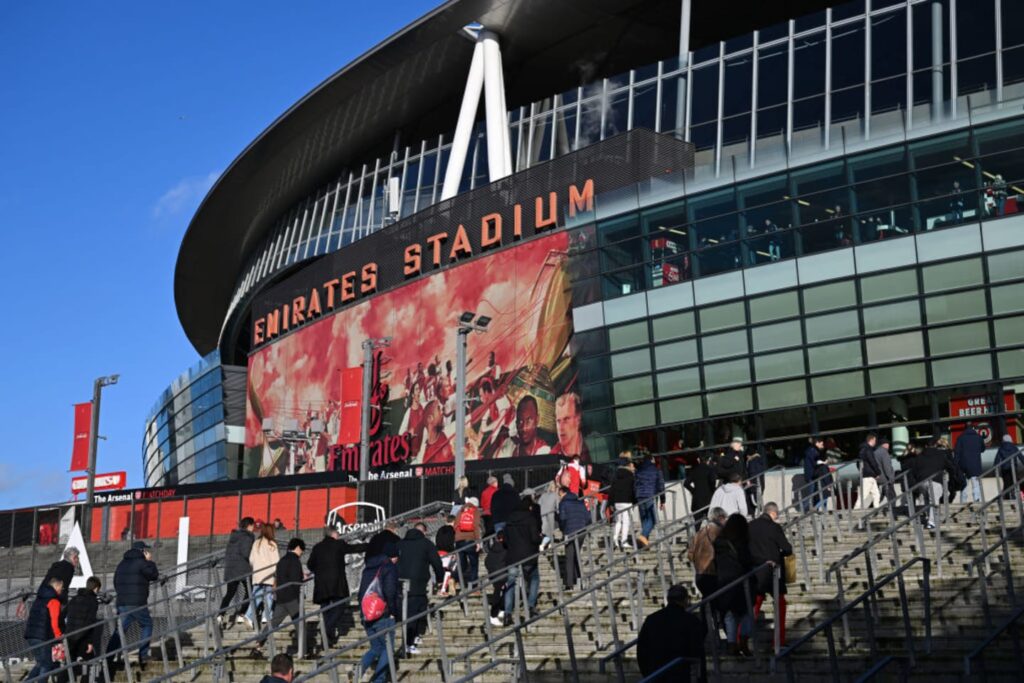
(80,448)
(112,481)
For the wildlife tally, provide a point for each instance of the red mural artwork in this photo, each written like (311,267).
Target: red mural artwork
(520,385)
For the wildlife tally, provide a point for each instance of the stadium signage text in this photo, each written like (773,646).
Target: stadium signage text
(436,250)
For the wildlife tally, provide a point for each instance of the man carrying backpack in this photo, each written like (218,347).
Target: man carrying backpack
(379,606)
(469,529)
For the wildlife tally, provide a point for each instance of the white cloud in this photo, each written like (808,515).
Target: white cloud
(185,194)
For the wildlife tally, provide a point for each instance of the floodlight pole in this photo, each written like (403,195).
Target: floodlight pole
(90,472)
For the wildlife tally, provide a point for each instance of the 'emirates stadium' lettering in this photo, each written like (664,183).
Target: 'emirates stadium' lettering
(437,251)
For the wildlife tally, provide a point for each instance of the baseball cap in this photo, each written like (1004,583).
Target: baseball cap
(140,545)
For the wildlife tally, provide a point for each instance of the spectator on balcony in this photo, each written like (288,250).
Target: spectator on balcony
(236,572)
(650,484)
(768,544)
(999,193)
(702,552)
(969,448)
(573,518)
(956,203)
(671,633)
(730,497)
(700,482)
(732,561)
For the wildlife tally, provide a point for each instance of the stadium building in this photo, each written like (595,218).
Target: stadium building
(680,226)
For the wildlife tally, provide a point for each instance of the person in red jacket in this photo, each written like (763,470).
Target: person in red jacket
(485,503)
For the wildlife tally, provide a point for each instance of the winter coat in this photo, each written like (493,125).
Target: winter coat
(287,578)
(82,613)
(813,460)
(327,562)
(389,587)
(732,561)
(768,543)
(504,501)
(264,557)
(445,538)
(496,562)
(702,549)
(756,469)
(731,498)
(44,616)
(648,481)
(700,482)
(623,487)
(63,570)
(573,515)
(669,633)
(272,679)
(869,466)
(236,556)
(929,463)
(132,578)
(969,448)
(485,498)
(884,460)
(417,557)
(549,501)
(1007,457)
(522,536)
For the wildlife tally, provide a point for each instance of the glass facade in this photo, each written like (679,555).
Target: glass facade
(186,439)
(832,82)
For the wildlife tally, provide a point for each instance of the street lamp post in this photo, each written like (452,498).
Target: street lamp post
(469,322)
(97,391)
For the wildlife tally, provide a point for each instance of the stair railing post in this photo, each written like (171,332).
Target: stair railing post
(842,603)
(776,626)
(446,663)
(906,617)
(833,660)
(614,627)
(819,548)
(521,670)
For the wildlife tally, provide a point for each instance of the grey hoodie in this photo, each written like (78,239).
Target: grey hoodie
(548,508)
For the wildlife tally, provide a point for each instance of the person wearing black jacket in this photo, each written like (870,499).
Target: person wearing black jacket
(755,474)
(768,543)
(380,540)
(382,568)
(496,563)
(522,539)
(929,465)
(732,461)
(504,501)
(733,560)
(63,569)
(131,583)
(969,448)
(82,613)
(700,482)
(282,670)
(669,633)
(622,496)
(444,539)
(288,578)
(417,557)
(237,570)
(870,472)
(330,582)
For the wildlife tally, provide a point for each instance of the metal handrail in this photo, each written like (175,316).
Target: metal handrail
(656,675)
(881,665)
(978,652)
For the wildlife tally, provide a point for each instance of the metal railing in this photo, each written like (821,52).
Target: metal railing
(978,653)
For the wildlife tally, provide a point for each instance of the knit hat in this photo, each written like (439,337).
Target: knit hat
(1007,438)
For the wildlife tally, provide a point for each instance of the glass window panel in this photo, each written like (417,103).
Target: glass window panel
(949,307)
(619,229)
(677,353)
(669,114)
(681,409)
(635,416)
(835,356)
(704,107)
(1009,266)
(672,326)
(1011,363)
(976,368)
(832,326)
(893,347)
(633,389)
(782,394)
(1007,298)
(958,338)
(623,254)
(779,365)
(721,317)
(631,362)
(724,345)
(682,381)
(898,378)
(952,275)
(888,286)
(738,86)
(645,105)
(1009,331)
(772,307)
(777,336)
(714,218)
(626,336)
(733,401)
(809,56)
(888,45)
(771,75)
(826,297)
(848,46)
(945,183)
(892,316)
(976,29)
(724,374)
(833,387)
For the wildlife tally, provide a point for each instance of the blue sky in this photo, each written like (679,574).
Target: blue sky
(115,118)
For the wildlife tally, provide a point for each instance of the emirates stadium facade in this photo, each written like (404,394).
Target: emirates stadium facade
(679,227)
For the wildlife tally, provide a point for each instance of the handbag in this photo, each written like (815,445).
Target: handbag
(57,652)
(789,565)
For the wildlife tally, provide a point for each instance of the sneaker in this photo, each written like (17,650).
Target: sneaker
(418,641)
(930,525)
(496,621)
(412,650)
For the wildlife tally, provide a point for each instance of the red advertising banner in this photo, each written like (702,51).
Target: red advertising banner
(80,448)
(977,409)
(112,481)
(351,406)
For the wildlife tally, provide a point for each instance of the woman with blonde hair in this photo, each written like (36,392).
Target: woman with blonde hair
(263,557)
(461,492)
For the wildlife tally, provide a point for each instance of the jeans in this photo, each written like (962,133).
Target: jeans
(532,575)
(377,655)
(623,522)
(262,596)
(499,526)
(648,518)
(975,484)
(44,662)
(470,561)
(229,595)
(737,627)
(140,616)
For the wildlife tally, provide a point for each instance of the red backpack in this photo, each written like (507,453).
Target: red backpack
(569,477)
(467,519)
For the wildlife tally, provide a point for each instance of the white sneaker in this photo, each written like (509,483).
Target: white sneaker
(412,650)
(496,621)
